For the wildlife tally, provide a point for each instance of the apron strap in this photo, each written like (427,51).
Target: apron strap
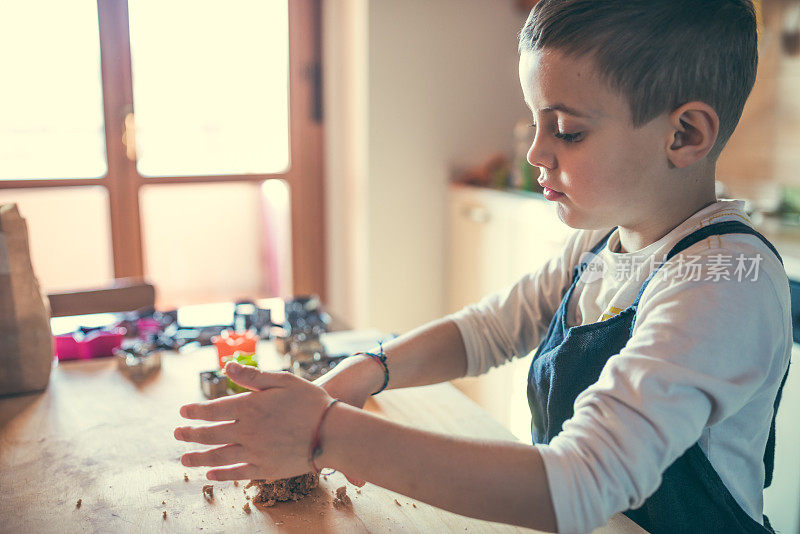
(769,452)
(721,228)
(578,269)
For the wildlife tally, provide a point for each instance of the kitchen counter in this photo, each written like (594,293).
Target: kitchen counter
(96,436)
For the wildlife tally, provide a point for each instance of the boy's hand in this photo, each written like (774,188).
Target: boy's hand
(262,434)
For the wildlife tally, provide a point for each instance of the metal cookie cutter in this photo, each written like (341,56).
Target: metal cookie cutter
(214,384)
(137,364)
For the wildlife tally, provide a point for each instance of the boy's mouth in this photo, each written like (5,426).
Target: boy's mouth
(551,194)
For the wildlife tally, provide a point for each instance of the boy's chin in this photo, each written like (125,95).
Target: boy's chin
(580,221)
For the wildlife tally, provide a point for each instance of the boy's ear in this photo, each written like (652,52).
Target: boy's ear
(694,127)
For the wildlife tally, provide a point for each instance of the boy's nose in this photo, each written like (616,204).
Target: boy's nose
(540,156)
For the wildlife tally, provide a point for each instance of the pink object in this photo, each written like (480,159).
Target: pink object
(96,344)
(66,347)
(147,326)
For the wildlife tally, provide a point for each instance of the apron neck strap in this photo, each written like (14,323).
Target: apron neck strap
(721,228)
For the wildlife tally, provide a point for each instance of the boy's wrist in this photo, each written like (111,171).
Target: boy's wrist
(360,374)
(335,435)
(372,372)
(380,359)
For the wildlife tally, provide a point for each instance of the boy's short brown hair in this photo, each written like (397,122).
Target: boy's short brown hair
(660,54)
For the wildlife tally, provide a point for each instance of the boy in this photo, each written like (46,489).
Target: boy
(663,327)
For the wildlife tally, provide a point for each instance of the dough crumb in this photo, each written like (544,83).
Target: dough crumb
(208,491)
(162,502)
(246,507)
(397,503)
(342,499)
(78,504)
(164,514)
(236,483)
(414,505)
(185,477)
(358,491)
(325,477)
(285,489)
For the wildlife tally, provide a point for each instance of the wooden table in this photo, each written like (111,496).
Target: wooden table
(96,436)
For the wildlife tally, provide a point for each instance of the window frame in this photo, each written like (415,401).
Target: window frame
(304,177)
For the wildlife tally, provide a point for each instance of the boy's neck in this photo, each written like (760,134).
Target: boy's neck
(668,214)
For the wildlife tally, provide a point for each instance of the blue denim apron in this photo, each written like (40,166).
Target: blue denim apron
(692,497)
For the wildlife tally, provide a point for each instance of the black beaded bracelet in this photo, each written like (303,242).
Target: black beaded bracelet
(381,359)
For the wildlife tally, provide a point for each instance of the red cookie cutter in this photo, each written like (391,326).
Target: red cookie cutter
(229,342)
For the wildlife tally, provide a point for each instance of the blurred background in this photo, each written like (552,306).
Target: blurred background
(267,148)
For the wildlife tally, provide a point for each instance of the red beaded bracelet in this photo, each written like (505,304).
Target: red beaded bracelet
(316,443)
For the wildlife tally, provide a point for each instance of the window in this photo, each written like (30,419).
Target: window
(138,100)
(51,124)
(210,86)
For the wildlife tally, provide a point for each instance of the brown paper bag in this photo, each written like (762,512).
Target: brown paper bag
(26,344)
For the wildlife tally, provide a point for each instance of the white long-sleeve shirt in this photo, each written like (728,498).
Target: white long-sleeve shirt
(709,348)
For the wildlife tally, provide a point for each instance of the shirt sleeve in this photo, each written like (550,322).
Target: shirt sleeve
(511,322)
(699,352)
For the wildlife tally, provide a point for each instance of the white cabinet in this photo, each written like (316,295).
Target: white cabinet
(478,260)
(495,238)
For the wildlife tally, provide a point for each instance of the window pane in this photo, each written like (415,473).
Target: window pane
(69,234)
(51,107)
(215,242)
(210,86)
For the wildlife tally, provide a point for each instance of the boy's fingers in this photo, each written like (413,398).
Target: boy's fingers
(207,435)
(235,472)
(225,455)
(252,378)
(224,409)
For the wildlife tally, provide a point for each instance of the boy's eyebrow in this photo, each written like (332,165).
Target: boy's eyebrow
(564,109)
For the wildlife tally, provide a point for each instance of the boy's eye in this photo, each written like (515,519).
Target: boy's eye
(569,137)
